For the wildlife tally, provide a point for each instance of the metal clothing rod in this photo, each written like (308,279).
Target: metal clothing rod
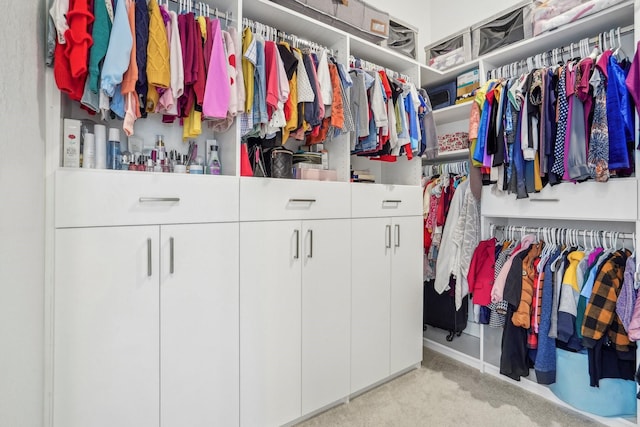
(456,167)
(202,8)
(599,40)
(370,66)
(274,34)
(564,233)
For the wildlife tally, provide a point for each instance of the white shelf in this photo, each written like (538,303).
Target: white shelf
(453,113)
(290,21)
(430,77)
(379,55)
(615,16)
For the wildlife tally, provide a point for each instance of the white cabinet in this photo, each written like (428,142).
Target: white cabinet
(144,315)
(106,331)
(386,281)
(199,325)
(370,301)
(146,325)
(406,293)
(294,311)
(326,308)
(386,330)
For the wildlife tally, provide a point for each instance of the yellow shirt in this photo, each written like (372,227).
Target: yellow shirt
(248,70)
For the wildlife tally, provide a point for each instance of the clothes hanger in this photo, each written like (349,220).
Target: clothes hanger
(619,53)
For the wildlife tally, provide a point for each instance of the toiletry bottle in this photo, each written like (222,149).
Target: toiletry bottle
(214,161)
(149,165)
(89,151)
(100,132)
(141,164)
(113,149)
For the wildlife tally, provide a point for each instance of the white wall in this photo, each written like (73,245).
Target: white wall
(414,12)
(451,16)
(21,214)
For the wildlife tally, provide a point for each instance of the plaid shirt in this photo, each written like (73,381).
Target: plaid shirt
(600,316)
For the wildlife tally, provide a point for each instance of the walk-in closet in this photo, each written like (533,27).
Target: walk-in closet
(254,213)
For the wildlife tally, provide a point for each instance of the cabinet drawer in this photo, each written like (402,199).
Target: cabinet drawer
(86,198)
(616,200)
(263,199)
(374,200)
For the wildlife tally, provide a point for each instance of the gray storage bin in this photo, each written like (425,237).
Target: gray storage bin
(449,52)
(357,17)
(509,26)
(402,38)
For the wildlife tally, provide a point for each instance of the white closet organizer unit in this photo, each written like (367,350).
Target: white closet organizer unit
(225,300)
(611,206)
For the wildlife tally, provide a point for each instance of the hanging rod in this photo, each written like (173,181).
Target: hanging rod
(274,33)
(565,49)
(356,62)
(203,8)
(565,231)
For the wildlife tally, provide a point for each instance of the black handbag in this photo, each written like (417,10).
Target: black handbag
(281,163)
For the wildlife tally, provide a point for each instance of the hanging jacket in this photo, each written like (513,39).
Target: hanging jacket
(545,363)
(618,116)
(522,316)
(481,272)
(600,317)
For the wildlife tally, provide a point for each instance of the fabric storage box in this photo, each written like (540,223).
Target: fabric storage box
(613,398)
(402,38)
(505,28)
(449,52)
(355,17)
(453,142)
(442,96)
(549,14)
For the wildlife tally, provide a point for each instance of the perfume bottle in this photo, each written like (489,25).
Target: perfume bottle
(214,167)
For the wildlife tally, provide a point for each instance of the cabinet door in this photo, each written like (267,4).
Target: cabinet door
(199,325)
(406,293)
(326,308)
(106,334)
(270,329)
(370,305)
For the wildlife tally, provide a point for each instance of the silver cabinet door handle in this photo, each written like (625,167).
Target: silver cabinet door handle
(297,255)
(391,201)
(171,257)
(387,242)
(302,200)
(544,200)
(310,232)
(159,199)
(397,235)
(149,266)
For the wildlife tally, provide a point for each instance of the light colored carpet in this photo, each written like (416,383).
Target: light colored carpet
(444,392)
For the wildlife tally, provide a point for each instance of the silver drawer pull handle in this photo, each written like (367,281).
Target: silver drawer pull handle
(171,257)
(159,199)
(391,201)
(544,200)
(302,200)
(149,266)
(387,239)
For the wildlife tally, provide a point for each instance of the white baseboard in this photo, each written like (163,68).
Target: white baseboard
(454,354)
